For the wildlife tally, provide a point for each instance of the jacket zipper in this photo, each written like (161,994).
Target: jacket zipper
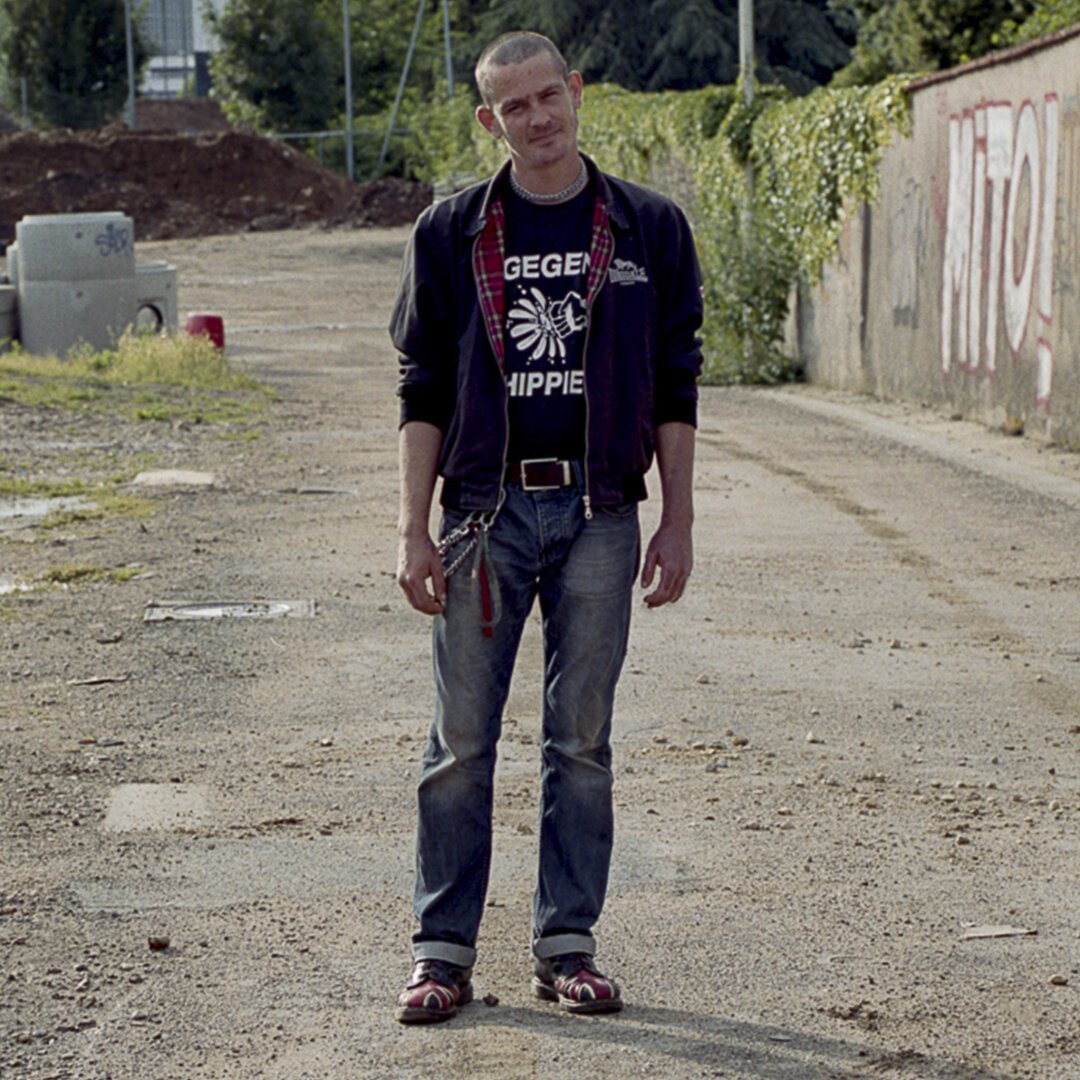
(587,497)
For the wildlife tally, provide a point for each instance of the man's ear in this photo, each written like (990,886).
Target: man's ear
(488,121)
(577,85)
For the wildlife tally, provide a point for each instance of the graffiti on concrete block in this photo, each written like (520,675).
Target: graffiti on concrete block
(999,243)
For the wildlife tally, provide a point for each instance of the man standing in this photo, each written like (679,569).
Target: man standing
(547,325)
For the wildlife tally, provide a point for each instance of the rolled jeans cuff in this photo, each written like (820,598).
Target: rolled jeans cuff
(458,955)
(546,947)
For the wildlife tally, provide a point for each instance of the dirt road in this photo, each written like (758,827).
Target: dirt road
(853,743)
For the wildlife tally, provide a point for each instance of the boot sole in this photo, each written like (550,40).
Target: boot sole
(601,1005)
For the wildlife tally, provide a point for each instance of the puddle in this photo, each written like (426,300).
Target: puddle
(156,807)
(174,478)
(228,609)
(15,513)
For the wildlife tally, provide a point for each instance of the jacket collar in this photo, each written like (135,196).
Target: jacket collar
(500,182)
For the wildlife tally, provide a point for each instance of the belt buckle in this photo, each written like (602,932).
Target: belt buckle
(526,486)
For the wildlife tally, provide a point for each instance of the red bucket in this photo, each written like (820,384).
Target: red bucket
(208,325)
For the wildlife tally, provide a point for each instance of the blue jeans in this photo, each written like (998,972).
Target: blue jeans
(583,572)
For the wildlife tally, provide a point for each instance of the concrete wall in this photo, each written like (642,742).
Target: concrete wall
(959,287)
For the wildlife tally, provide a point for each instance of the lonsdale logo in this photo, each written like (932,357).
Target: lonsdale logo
(625,272)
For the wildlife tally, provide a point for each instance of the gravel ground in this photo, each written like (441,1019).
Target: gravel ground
(854,743)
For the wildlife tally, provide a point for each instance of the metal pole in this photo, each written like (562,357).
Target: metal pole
(165,45)
(746,74)
(130,41)
(746,49)
(401,84)
(350,154)
(446,42)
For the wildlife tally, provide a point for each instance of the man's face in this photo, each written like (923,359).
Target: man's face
(535,110)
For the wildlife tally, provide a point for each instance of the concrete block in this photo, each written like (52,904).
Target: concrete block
(75,247)
(155,286)
(56,315)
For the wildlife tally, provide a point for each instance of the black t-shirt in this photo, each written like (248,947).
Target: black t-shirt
(546,267)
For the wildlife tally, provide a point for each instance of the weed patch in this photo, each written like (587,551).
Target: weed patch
(70,574)
(146,377)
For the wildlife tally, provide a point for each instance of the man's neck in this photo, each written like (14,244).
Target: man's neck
(551,180)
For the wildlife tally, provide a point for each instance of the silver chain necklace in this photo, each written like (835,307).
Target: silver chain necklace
(567,192)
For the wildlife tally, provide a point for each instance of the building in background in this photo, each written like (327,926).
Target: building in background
(180,47)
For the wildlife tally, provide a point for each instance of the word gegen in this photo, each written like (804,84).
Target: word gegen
(554,265)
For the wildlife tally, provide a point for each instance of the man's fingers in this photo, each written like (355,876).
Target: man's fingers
(648,569)
(416,592)
(669,589)
(438,583)
(414,573)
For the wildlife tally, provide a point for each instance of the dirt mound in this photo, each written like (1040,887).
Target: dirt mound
(180,185)
(180,114)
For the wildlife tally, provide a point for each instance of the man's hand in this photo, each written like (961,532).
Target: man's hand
(419,562)
(672,550)
(672,547)
(418,558)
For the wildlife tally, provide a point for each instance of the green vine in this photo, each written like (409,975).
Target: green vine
(766,187)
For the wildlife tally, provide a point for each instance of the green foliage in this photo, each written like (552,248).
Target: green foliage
(908,36)
(813,157)
(655,45)
(815,154)
(73,55)
(280,63)
(1048,17)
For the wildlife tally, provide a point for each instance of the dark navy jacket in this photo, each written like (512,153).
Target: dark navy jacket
(642,355)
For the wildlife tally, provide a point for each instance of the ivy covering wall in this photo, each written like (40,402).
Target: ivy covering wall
(766,188)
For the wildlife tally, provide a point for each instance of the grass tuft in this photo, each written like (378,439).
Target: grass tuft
(165,377)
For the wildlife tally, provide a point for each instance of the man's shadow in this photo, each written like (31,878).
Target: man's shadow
(731,1047)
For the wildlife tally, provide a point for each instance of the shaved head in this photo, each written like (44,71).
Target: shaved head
(514,48)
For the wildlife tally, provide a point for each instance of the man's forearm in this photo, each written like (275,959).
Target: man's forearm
(419,445)
(675,463)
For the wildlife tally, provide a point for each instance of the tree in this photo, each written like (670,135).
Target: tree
(680,44)
(279,66)
(1048,17)
(910,36)
(73,55)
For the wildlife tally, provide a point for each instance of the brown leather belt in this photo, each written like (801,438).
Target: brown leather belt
(540,474)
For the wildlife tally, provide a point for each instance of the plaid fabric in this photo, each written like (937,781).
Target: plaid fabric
(601,247)
(488,272)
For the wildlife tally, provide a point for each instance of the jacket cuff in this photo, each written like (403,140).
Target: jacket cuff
(422,408)
(679,411)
